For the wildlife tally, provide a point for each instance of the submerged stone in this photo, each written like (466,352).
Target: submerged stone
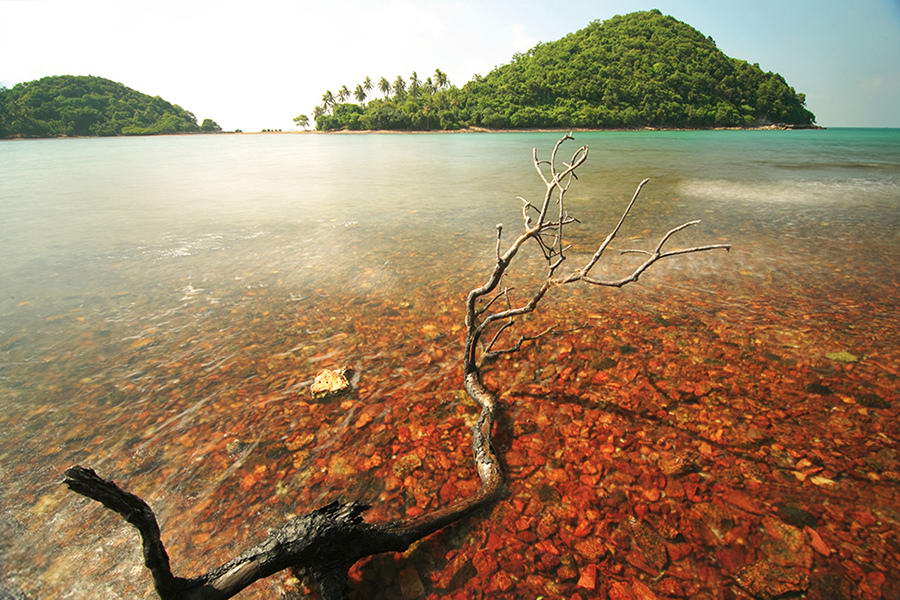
(843,356)
(329,383)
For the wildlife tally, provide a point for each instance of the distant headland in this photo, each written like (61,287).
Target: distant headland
(77,105)
(643,69)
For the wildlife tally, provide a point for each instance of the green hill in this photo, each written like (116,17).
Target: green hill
(66,105)
(636,70)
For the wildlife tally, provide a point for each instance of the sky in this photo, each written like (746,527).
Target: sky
(255,65)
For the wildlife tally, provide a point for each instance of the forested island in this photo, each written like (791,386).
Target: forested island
(643,69)
(70,105)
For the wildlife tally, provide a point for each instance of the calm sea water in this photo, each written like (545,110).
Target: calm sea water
(80,217)
(137,271)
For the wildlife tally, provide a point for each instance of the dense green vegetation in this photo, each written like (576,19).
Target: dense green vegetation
(635,70)
(83,105)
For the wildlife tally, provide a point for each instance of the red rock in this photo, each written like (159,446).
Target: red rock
(786,546)
(515,565)
(678,551)
(766,580)
(485,563)
(742,501)
(863,517)
(731,557)
(854,571)
(674,489)
(584,497)
(590,548)
(816,541)
(547,527)
(447,492)
(466,487)
(367,414)
(691,490)
(738,534)
(672,464)
(527,537)
(621,591)
(547,547)
(557,475)
(515,459)
(670,586)
(494,543)
(588,577)
(549,562)
(566,572)
(651,494)
(501,582)
(590,480)
(584,528)
(642,592)
(524,523)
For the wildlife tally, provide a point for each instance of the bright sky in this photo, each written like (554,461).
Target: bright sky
(255,65)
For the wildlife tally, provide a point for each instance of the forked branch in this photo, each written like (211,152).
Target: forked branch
(327,541)
(557,180)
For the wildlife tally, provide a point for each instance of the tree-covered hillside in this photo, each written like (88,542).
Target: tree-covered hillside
(635,70)
(84,105)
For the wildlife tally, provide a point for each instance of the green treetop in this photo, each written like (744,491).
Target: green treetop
(635,70)
(66,105)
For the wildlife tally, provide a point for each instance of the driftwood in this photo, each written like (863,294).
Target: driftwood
(326,542)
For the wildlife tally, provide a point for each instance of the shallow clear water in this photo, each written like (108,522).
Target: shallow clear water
(167,300)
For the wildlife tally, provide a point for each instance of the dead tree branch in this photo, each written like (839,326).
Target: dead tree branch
(327,541)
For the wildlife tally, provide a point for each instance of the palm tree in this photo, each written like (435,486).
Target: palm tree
(429,86)
(385,86)
(318,113)
(360,94)
(343,93)
(367,84)
(301,121)
(414,84)
(440,78)
(399,86)
(327,100)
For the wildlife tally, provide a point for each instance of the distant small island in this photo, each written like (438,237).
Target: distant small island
(74,105)
(643,69)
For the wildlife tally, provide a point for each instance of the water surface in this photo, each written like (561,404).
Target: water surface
(167,300)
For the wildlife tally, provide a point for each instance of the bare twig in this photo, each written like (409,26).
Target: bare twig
(490,354)
(502,293)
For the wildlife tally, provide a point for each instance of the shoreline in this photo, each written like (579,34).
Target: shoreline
(773,127)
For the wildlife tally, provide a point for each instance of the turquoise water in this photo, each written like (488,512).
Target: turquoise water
(73,210)
(137,271)
(82,218)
